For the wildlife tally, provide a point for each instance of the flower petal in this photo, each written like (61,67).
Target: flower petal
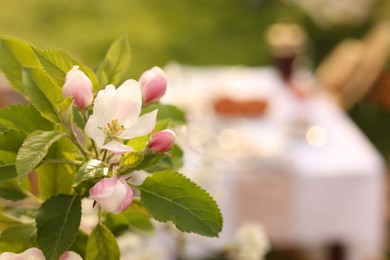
(130,103)
(93,131)
(128,198)
(104,188)
(70,255)
(117,147)
(105,106)
(143,126)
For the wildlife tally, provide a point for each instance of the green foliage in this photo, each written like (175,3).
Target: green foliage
(57,63)
(10,190)
(14,55)
(57,178)
(42,92)
(116,62)
(169,196)
(58,220)
(23,118)
(65,112)
(80,244)
(166,112)
(173,161)
(31,138)
(33,150)
(18,238)
(7,221)
(134,218)
(130,161)
(102,245)
(10,142)
(93,169)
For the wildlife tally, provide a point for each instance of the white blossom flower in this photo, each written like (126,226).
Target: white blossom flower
(116,117)
(70,255)
(31,253)
(252,242)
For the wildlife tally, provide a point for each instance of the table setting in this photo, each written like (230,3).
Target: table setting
(295,164)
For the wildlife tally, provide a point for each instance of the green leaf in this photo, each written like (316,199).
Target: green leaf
(10,190)
(14,55)
(131,160)
(83,188)
(166,112)
(55,178)
(8,221)
(116,223)
(13,194)
(138,143)
(172,162)
(18,238)
(93,169)
(7,172)
(102,245)
(65,111)
(132,218)
(148,161)
(33,150)
(57,63)
(80,244)
(161,125)
(10,142)
(58,220)
(23,118)
(169,196)
(42,92)
(116,62)
(139,222)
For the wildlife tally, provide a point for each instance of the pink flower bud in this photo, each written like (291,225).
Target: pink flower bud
(112,194)
(162,141)
(79,86)
(153,84)
(70,255)
(32,253)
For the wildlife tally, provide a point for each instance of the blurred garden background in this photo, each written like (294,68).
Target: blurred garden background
(203,32)
(224,32)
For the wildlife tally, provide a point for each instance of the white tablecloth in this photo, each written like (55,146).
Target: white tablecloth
(303,169)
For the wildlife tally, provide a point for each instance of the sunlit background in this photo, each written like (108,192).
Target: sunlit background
(346,47)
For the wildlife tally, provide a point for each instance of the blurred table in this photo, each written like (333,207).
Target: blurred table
(302,168)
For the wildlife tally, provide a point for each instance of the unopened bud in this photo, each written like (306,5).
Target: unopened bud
(79,86)
(153,84)
(162,141)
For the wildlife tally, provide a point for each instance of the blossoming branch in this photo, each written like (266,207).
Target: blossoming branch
(82,136)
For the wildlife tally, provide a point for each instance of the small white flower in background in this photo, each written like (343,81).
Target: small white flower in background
(116,116)
(153,84)
(70,255)
(162,141)
(112,194)
(79,86)
(135,246)
(251,242)
(30,254)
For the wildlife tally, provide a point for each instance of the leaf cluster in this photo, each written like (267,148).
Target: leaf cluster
(46,158)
